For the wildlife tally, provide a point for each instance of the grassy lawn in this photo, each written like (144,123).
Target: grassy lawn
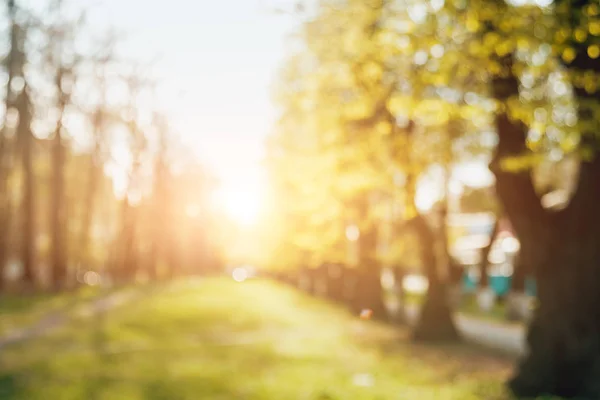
(217,339)
(17,311)
(496,314)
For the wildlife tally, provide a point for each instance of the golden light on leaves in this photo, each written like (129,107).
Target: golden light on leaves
(568,54)
(491,39)
(580,35)
(357,110)
(590,86)
(523,44)
(373,70)
(437,69)
(473,23)
(561,36)
(383,128)
(504,48)
(594,51)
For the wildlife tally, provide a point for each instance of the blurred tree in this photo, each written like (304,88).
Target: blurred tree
(129,262)
(101,118)
(62,60)
(160,202)
(26,142)
(11,64)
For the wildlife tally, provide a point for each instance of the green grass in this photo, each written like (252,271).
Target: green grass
(496,314)
(18,311)
(217,339)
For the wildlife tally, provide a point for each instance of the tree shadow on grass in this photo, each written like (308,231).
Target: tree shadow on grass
(8,387)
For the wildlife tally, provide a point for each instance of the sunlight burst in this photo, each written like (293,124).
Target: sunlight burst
(241,203)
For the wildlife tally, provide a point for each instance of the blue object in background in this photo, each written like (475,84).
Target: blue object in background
(500,284)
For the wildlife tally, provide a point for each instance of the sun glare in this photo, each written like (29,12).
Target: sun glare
(241,203)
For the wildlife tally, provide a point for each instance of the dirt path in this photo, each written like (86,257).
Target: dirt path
(59,318)
(509,338)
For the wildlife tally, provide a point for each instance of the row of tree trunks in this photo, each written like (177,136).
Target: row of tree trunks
(346,285)
(361,290)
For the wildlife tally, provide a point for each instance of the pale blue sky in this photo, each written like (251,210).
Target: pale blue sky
(217,62)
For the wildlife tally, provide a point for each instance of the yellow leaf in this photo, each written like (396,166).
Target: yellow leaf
(568,54)
(473,24)
(580,35)
(504,48)
(594,28)
(383,128)
(594,51)
(491,39)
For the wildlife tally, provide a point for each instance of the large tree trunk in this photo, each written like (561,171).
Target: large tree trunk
(435,321)
(563,251)
(435,318)
(563,339)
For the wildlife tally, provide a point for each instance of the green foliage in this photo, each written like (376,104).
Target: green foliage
(364,70)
